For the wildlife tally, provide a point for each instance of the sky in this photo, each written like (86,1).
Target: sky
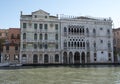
(10,9)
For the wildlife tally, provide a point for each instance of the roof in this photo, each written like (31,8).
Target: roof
(15,28)
(40,11)
(26,16)
(117,29)
(84,17)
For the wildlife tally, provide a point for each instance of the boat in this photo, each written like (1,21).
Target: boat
(15,64)
(4,64)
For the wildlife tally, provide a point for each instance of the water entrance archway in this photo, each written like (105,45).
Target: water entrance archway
(65,57)
(83,57)
(70,57)
(35,59)
(46,59)
(77,57)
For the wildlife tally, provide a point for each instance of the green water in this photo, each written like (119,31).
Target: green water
(61,75)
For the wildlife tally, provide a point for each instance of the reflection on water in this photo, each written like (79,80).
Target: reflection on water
(60,75)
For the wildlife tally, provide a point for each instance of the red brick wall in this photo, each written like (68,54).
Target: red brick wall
(15,32)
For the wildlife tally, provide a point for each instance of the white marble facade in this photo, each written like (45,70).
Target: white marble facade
(47,39)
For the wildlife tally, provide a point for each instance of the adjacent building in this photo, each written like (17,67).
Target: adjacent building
(11,46)
(47,39)
(3,37)
(116,44)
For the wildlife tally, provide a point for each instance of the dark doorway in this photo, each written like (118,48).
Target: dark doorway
(35,59)
(46,59)
(83,57)
(0,57)
(65,57)
(70,58)
(77,57)
(88,57)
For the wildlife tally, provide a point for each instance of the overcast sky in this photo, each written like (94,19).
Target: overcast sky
(10,9)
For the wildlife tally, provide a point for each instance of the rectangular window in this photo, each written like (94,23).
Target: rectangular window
(117,33)
(45,16)
(46,46)
(24,46)
(16,57)
(101,28)
(108,31)
(7,57)
(40,26)
(56,26)
(109,59)
(16,47)
(35,36)
(40,46)
(24,57)
(7,47)
(101,41)
(40,36)
(56,36)
(12,36)
(24,25)
(18,36)
(35,46)
(35,16)
(109,55)
(45,26)
(6,34)
(35,26)
(56,46)
(95,57)
(46,36)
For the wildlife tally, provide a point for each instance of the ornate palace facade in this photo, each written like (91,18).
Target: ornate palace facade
(47,39)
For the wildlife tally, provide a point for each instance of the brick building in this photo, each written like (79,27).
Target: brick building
(116,44)
(3,37)
(3,33)
(11,47)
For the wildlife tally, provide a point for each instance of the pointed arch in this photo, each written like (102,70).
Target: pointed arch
(88,57)
(65,29)
(75,44)
(78,44)
(65,57)
(83,57)
(35,58)
(46,58)
(70,57)
(77,57)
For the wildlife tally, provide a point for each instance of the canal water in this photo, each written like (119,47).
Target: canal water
(60,75)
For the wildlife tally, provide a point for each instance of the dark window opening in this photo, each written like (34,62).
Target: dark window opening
(35,46)
(40,26)
(24,25)
(56,58)
(56,26)
(35,26)
(16,57)
(46,36)
(7,47)
(46,26)
(12,36)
